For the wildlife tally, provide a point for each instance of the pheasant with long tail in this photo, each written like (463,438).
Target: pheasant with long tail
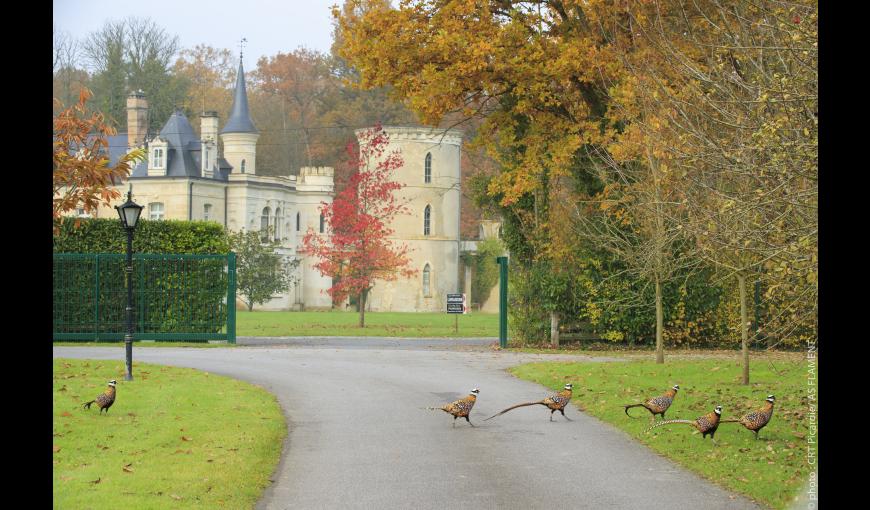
(706,424)
(556,402)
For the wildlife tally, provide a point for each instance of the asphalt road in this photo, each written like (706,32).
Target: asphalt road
(360,438)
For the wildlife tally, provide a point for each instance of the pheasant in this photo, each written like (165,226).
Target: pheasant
(657,405)
(756,420)
(556,402)
(105,400)
(460,408)
(706,424)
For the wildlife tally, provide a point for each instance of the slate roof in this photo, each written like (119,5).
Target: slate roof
(240,118)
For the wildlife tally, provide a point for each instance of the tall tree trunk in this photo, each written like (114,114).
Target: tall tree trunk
(362,309)
(250,305)
(554,328)
(660,345)
(744,326)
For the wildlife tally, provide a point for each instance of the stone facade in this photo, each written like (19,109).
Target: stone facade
(438,248)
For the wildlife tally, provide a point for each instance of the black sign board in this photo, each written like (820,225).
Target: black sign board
(455,303)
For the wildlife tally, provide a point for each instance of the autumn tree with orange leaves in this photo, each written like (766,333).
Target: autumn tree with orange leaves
(82,176)
(356,249)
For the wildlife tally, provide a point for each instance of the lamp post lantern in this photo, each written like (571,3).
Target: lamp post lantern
(129,213)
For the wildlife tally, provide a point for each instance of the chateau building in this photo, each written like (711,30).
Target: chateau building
(186,177)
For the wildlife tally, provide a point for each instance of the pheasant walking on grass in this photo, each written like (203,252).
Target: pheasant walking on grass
(460,408)
(657,405)
(756,420)
(706,424)
(555,403)
(105,400)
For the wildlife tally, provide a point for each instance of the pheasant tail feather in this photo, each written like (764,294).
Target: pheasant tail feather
(514,407)
(667,422)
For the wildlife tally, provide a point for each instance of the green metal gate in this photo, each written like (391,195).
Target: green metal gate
(175,297)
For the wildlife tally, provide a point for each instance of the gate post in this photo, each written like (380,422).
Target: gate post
(502,300)
(231,298)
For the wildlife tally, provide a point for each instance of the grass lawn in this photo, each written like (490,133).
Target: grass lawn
(771,470)
(175,438)
(392,324)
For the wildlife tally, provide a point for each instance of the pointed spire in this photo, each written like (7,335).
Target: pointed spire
(240,118)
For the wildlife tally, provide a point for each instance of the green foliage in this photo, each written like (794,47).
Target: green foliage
(105,235)
(528,321)
(261,272)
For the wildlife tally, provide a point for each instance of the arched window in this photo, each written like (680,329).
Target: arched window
(322,223)
(243,166)
(298,221)
(427,280)
(427,173)
(264,225)
(427,218)
(277,223)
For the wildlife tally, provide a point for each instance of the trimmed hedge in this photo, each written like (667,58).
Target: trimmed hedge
(101,235)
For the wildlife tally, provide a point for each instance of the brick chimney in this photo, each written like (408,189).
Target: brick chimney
(137,118)
(209,126)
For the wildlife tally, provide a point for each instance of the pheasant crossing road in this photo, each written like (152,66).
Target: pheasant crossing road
(359,436)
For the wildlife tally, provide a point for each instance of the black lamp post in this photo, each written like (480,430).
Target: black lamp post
(129,212)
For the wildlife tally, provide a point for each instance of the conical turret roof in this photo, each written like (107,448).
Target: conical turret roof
(240,117)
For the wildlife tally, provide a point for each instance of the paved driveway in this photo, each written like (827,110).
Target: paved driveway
(359,438)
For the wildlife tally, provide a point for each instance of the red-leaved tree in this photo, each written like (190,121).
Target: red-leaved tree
(356,249)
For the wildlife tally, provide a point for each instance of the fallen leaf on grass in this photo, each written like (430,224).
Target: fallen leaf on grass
(95,481)
(55,448)
(127,468)
(65,414)
(185,438)
(175,497)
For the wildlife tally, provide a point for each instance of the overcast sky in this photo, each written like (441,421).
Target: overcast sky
(270,26)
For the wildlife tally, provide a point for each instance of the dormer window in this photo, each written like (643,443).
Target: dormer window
(157,160)
(157,156)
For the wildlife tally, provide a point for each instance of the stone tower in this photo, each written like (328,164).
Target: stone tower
(431,174)
(239,136)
